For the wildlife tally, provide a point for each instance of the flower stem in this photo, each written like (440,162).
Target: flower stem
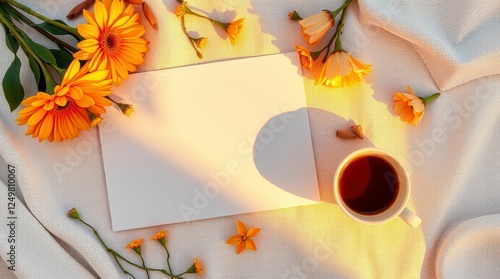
(338,43)
(183,24)
(222,25)
(49,80)
(189,11)
(107,248)
(337,11)
(120,265)
(430,98)
(27,10)
(144,265)
(168,260)
(116,255)
(42,31)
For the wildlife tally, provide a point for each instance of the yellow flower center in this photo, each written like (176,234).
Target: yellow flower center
(110,41)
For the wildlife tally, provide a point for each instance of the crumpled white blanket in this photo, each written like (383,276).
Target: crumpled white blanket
(453,154)
(458,41)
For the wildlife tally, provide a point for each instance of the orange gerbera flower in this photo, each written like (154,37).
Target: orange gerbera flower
(315,27)
(62,115)
(411,107)
(341,69)
(112,39)
(243,239)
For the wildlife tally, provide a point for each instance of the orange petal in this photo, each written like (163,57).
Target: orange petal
(46,127)
(241,228)
(240,247)
(61,101)
(73,69)
(89,17)
(149,15)
(234,240)
(88,31)
(100,14)
(115,10)
(250,244)
(36,117)
(253,232)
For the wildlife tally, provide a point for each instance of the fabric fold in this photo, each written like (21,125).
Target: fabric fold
(454,39)
(470,250)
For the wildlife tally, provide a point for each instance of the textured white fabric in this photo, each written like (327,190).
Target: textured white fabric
(458,42)
(471,249)
(452,155)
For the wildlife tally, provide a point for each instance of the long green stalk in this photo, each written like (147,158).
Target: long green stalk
(27,10)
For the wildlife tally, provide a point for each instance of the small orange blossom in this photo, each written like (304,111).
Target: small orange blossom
(159,235)
(134,244)
(411,107)
(198,267)
(243,240)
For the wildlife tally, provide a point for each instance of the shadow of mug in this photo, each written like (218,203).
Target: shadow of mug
(282,150)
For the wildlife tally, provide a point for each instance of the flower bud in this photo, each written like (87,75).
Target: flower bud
(94,119)
(126,109)
(79,8)
(134,2)
(195,268)
(180,10)
(200,42)
(293,15)
(149,15)
(74,214)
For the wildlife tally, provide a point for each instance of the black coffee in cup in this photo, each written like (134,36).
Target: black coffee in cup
(369,185)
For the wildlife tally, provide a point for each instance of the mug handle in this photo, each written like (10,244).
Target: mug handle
(410,218)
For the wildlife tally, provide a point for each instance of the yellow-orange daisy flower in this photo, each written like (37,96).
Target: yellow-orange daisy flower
(159,235)
(315,27)
(198,267)
(341,69)
(233,29)
(134,244)
(410,107)
(243,240)
(112,39)
(306,59)
(180,10)
(64,114)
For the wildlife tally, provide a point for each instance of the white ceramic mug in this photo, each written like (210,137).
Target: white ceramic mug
(397,208)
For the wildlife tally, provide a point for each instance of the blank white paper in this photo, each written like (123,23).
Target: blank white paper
(209,140)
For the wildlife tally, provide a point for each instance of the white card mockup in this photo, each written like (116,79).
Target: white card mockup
(209,140)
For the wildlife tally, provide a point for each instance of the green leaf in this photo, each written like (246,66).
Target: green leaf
(8,12)
(10,41)
(54,29)
(35,68)
(12,88)
(42,52)
(63,58)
